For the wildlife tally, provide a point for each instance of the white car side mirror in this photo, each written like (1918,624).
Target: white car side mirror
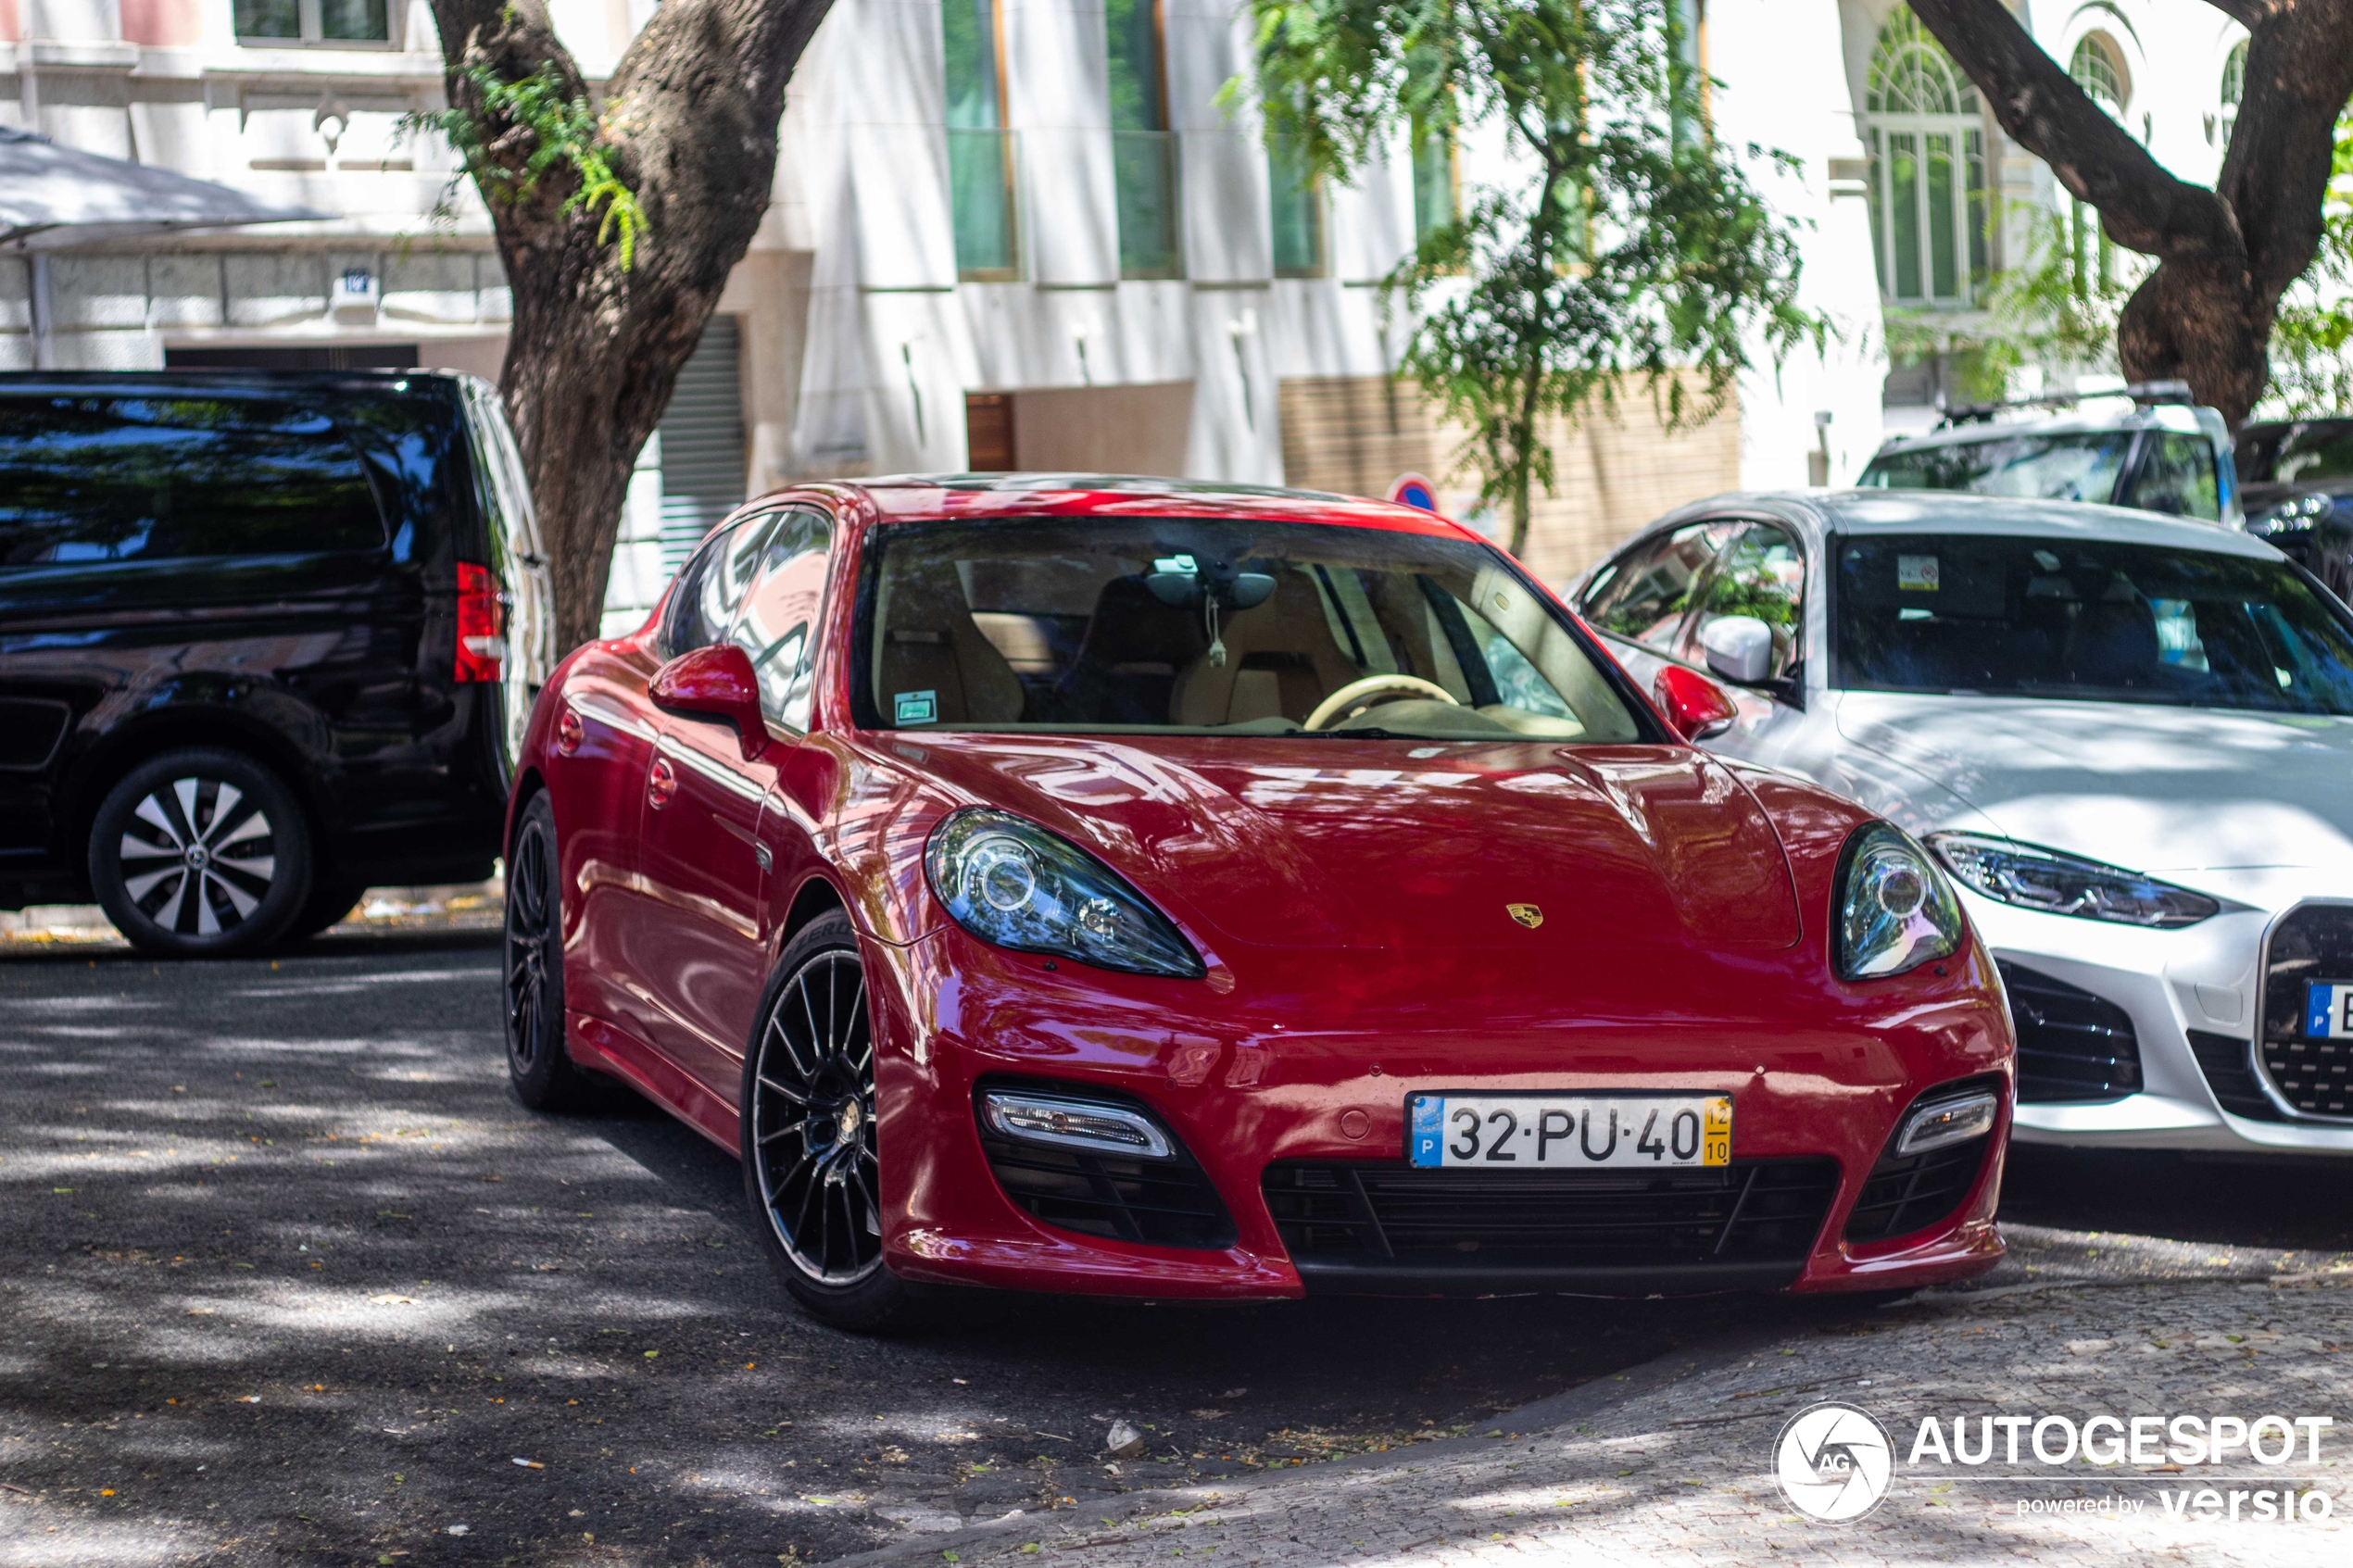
(1740,648)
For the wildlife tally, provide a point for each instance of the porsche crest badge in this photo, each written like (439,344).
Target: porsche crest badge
(1528,915)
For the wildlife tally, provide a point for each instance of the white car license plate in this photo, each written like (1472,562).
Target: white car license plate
(2328,1009)
(1498,1132)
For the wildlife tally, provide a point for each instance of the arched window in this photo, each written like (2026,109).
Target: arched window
(1927,168)
(2094,66)
(2233,88)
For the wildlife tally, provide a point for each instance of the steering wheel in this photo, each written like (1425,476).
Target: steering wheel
(1349,699)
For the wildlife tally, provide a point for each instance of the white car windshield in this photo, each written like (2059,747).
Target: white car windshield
(2098,620)
(1207,626)
(2076,467)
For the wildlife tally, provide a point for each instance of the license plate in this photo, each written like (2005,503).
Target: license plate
(2328,1009)
(1586,1132)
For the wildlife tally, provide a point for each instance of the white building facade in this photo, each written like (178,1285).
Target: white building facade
(1029,233)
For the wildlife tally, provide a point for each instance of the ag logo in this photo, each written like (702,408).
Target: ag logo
(1528,915)
(1833,1463)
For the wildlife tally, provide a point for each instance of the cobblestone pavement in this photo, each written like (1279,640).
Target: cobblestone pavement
(1670,1464)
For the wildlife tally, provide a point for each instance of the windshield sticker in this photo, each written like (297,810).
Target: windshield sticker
(1916,574)
(914,708)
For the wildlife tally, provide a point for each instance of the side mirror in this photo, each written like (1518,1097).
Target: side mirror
(1695,707)
(1738,648)
(714,683)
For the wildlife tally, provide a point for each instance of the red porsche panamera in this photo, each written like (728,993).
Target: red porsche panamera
(1128,887)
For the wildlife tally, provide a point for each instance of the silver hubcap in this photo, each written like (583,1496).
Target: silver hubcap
(812,1122)
(199,857)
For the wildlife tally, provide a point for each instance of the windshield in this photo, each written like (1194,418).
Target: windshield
(1217,627)
(2055,618)
(2300,454)
(2080,466)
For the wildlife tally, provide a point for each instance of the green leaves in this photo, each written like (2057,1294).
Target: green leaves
(559,130)
(1618,243)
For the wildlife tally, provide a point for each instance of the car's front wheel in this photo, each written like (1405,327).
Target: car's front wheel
(812,1163)
(539,1061)
(200,853)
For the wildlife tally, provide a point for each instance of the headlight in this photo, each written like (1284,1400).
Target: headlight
(1012,884)
(1895,909)
(2068,884)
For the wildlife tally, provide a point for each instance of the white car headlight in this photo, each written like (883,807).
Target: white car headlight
(2032,878)
(1896,911)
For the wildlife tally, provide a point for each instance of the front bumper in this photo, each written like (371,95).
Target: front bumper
(1302,1060)
(2191,998)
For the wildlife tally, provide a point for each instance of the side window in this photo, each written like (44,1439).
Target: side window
(1644,594)
(711,584)
(94,480)
(1762,576)
(777,624)
(2177,476)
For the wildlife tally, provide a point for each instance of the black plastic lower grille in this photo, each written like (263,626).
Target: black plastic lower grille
(1165,1202)
(2073,1047)
(1906,1193)
(1750,1210)
(2229,1066)
(2308,944)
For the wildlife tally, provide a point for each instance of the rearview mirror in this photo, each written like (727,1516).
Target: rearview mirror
(714,683)
(1738,648)
(1695,707)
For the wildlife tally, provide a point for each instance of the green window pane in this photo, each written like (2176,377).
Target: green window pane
(980,166)
(1942,255)
(1132,36)
(354,21)
(968,31)
(1298,214)
(268,18)
(1433,181)
(1144,179)
(1977,215)
(1878,216)
(1904,220)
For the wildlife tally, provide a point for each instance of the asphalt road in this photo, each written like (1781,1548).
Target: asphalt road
(291,1276)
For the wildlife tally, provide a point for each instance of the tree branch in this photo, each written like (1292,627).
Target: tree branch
(2143,205)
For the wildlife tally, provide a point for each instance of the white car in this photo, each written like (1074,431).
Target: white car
(2128,739)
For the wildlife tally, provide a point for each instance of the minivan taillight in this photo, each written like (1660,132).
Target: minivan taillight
(482,625)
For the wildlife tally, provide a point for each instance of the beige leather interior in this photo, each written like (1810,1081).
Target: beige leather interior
(930,644)
(1281,659)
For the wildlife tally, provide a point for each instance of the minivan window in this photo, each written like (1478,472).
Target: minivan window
(97,480)
(2177,477)
(2076,467)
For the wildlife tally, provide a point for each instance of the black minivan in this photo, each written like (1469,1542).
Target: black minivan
(266,639)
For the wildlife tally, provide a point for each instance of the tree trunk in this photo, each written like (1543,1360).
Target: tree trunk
(689,125)
(2226,255)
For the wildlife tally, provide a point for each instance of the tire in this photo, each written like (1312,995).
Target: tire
(330,901)
(201,853)
(811,1162)
(539,1060)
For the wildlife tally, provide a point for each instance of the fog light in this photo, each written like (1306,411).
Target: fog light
(1944,1123)
(1065,1123)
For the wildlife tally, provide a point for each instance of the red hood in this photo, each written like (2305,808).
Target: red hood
(1279,842)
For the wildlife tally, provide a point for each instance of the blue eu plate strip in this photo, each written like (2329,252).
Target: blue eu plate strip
(1427,1128)
(2320,1000)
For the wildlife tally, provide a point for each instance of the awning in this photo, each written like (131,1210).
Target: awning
(53,197)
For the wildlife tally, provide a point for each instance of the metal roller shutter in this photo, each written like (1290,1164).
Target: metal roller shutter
(702,444)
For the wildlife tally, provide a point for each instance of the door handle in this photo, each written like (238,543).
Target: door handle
(660,783)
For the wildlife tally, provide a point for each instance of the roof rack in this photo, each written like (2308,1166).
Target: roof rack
(2144,394)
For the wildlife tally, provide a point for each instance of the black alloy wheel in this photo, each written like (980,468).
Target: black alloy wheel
(200,853)
(538,1062)
(812,1158)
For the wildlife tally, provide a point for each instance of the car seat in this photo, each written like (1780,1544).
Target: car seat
(929,645)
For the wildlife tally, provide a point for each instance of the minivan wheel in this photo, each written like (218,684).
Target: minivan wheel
(201,853)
